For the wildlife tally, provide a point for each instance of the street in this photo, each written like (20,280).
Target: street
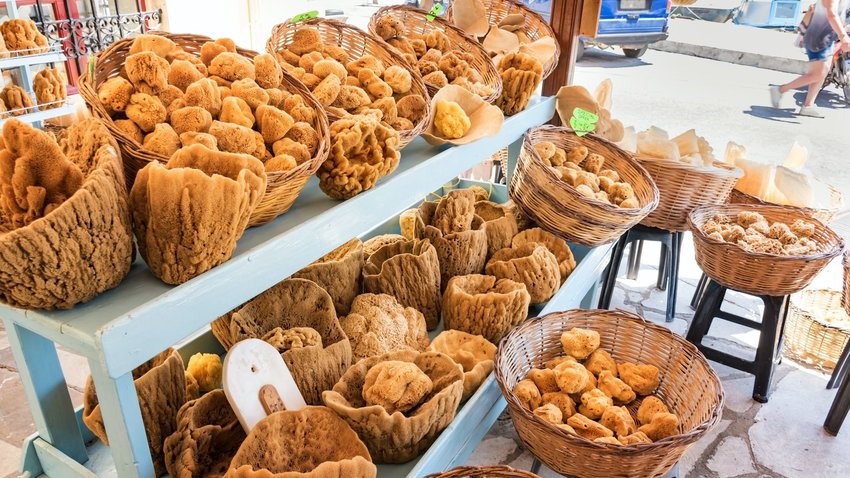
(724,102)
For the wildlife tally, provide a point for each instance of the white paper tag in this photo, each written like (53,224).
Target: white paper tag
(249,366)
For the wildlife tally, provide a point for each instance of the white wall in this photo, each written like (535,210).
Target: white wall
(213,18)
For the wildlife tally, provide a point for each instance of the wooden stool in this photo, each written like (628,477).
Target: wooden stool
(841,403)
(668,269)
(771,327)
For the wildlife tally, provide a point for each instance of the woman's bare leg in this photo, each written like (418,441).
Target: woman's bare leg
(807,79)
(820,70)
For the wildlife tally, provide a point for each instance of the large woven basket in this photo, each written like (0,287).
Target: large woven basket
(557,207)
(845,299)
(356,43)
(689,387)
(494,471)
(809,337)
(535,25)
(416,21)
(683,187)
(759,273)
(824,215)
(282,187)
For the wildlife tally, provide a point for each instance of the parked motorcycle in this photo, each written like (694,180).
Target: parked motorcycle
(839,74)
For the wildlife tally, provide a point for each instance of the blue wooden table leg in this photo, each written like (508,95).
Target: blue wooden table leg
(123,421)
(592,298)
(46,391)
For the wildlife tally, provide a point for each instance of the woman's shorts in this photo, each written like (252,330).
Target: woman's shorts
(820,55)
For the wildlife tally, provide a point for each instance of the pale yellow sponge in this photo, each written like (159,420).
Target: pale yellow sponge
(450,120)
(206,369)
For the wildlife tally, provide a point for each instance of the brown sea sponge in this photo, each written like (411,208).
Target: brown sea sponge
(483,305)
(521,74)
(205,139)
(235,110)
(601,360)
(501,225)
(618,420)
(183,73)
(594,403)
(399,438)
(250,91)
(49,88)
(377,324)
(327,67)
(147,71)
(662,425)
(587,428)
(562,401)
(549,412)
(233,138)
(267,71)
(81,143)
(580,343)
(373,84)
(163,140)
(412,107)
(293,338)
(190,118)
(396,386)
(571,377)
(204,93)
(131,129)
(556,245)
(292,148)
(273,123)
(328,90)
(472,352)
(530,264)
(16,100)
(305,134)
(305,40)
(545,380)
(643,379)
(410,272)
(22,37)
(193,182)
(115,94)
(339,273)
(398,78)
(389,27)
(615,388)
(528,394)
(351,97)
(365,62)
(232,67)
(158,44)
(649,407)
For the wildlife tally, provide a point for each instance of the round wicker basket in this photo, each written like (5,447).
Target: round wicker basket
(689,387)
(557,207)
(282,187)
(683,187)
(535,26)
(415,21)
(494,471)
(760,273)
(845,298)
(357,43)
(824,215)
(809,337)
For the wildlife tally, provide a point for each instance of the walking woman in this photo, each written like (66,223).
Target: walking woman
(826,27)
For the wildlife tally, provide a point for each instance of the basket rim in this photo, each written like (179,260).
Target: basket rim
(592,202)
(445,24)
(719,167)
(698,233)
(806,312)
(618,314)
(831,210)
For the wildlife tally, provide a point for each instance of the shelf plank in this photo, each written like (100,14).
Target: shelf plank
(28,60)
(41,115)
(126,326)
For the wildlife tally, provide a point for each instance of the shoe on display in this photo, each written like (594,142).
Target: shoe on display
(811,111)
(775,96)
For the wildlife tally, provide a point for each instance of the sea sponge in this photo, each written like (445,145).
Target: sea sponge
(618,420)
(235,110)
(250,91)
(16,100)
(501,225)
(453,66)
(131,129)
(157,44)
(327,67)
(587,428)
(208,435)
(528,394)
(163,140)
(195,181)
(362,151)
(571,377)
(328,90)
(337,53)
(521,74)
(387,107)
(545,380)
(643,379)
(292,148)
(450,120)
(473,353)
(267,71)
(273,123)
(233,138)
(546,150)
(183,73)
(21,37)
(312,442)
(594,403)
(555,245)
(351,97)
(398,78)
(115,94)
(305,40)
(365,62)
(615,388)
(649,407)
(634,438)
(204,93)
(292,338)
(212,49)
(398,438)
(373,84)
(549,412)
(147,71)
(580,343)
(205,139)
(563,401)
(49,87)
(601,360)
(662,425)
(427,68)
(389,27)
(206,370)
(308,61)
(412,107)
(408,271)
(232,66)
(396,386)
(593,163)
(483,305)
(455,212)
(306,135)
(530,264)
(339,273)
(190,118)
(377,324)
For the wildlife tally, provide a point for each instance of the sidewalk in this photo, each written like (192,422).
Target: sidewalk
(739,44)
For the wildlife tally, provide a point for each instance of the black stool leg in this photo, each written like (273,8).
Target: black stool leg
(634,259)
(707,309)
(672,273)
(838,410)
(770,345)
(839,374)
(700,290)
(535,465)
(611,275)
(663,261)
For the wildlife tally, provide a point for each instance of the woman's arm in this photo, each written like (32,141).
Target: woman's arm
(837,24)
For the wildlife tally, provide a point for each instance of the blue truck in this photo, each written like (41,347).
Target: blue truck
(629,24)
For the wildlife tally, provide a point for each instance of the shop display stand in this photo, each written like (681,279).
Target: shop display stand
(123,328)
(23,64)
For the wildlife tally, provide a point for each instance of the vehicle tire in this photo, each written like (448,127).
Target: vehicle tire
(635,52)
(580,50)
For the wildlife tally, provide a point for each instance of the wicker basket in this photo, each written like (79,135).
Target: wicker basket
(535,26)
(282,186)
(558,208)
(824,215)
(494,471)
(809,338)
(845,298)
(683,187)
(415,21)
(356,43)
(689,387)
(759,273)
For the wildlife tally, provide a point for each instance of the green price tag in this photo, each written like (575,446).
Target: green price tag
(435,12)
(583,122)
(305,16)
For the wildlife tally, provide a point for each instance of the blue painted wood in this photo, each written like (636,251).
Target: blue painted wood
(130,324)
(56,464)
(46,391)
(123,420)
